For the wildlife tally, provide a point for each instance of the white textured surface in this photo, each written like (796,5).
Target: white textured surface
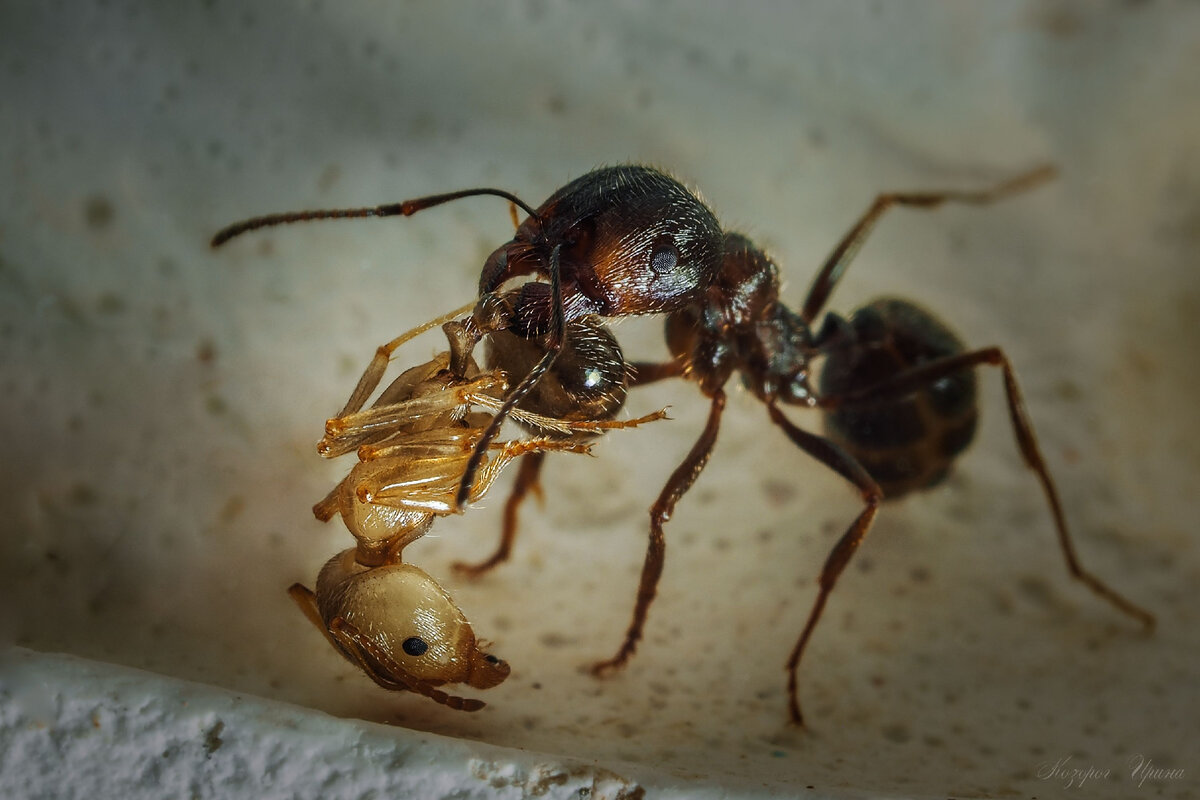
(118,732)
(163,400)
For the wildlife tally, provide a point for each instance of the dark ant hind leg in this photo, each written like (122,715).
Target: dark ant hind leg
(837,262)
(837,459)
(931,371)
(680,481)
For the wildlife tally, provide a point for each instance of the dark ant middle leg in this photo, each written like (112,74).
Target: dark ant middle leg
(680,481)
(526,482)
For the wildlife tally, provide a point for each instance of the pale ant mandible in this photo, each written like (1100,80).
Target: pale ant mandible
(391,619)
(897,387)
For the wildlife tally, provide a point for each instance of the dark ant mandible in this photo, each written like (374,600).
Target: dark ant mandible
(896,386)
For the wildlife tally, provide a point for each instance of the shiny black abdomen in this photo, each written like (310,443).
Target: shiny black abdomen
(906,441)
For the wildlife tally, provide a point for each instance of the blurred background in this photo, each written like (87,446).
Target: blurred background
(162,400)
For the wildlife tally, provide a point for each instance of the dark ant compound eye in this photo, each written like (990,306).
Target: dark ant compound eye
(664,257)
(414,646)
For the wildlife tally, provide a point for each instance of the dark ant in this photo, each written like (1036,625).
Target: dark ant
(897,387)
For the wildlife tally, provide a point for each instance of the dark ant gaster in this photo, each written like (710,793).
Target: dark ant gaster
(897,387)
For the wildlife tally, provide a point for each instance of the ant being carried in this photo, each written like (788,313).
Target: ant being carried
(390,618)
(896,386)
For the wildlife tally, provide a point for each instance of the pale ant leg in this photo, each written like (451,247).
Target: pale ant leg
(837,459)
(526,482)
(307,601)
(515,449)
(837,262)
(327,509)
(598,425)
(388,482)
(680,481)
(350,640)
(347,432)
(929,372)
(422,450)
(374,371)
(565,426)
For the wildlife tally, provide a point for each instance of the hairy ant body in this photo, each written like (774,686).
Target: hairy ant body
(391,619)
(897,388)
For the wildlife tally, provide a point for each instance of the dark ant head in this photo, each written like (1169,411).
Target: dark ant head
(632,240)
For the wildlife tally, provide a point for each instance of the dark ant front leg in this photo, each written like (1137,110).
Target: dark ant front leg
(837,262)
(680,481)
(929,372)
(526,482)
(837,459)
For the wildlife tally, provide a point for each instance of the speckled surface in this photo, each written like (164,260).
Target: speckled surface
(163,400)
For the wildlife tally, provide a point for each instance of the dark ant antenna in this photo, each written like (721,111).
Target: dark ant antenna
(406,208)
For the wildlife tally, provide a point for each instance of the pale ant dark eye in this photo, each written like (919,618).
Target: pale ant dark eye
(414,646)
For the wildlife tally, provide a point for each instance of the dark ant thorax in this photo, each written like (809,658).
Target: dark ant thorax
(778,368)
(740,326)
